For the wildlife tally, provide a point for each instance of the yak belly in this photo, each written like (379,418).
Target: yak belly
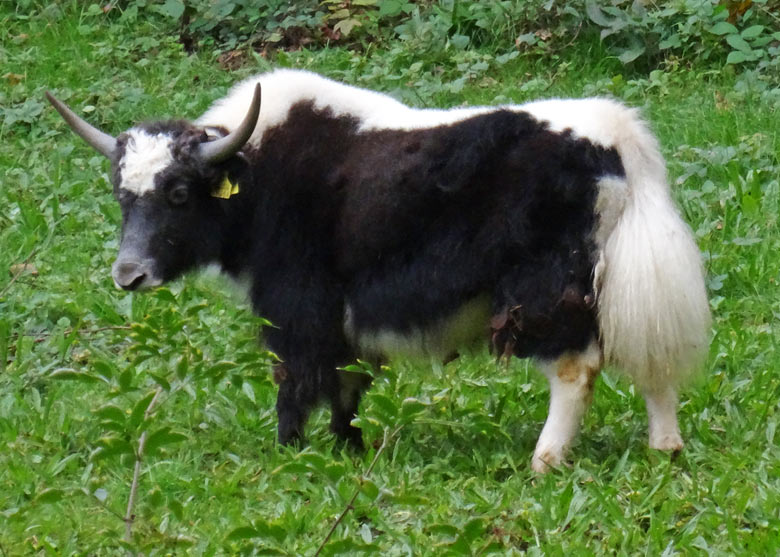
(439,339)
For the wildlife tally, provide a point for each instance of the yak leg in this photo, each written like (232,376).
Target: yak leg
(571,378)
(292,415)
(294,403)
(662,419)
(344,406)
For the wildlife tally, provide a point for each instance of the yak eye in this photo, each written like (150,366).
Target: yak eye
(178,194)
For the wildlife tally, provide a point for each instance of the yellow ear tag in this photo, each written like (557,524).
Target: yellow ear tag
(226,189)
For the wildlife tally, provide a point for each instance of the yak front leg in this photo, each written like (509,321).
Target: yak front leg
(571,378)
(344,406)
(293,405)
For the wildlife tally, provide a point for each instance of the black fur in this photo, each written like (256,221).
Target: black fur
(403,226)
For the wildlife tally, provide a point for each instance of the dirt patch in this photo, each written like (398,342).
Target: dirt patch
(571,367)
(280,374)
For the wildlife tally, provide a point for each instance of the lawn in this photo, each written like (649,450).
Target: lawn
(447,470)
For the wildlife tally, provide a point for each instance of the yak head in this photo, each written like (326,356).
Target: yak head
(168,178)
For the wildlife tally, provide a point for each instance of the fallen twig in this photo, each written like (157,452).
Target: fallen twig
(768,12)
(385,440)
(43,336)
(572,41)
(139,455)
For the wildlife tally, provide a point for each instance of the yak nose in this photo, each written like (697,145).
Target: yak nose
(129,275)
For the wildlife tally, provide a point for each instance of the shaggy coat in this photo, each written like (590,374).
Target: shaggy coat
(370,229)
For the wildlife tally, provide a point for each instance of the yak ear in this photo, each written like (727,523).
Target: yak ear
(98,140)
(225,147)
(213,133)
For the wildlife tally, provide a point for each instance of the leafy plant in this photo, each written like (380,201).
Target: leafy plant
(748,45)
(691,28)
(161,365)
(740,33)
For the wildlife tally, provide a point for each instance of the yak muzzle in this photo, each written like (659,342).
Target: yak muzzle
(133,274)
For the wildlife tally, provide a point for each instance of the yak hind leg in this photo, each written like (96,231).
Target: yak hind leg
(664,430)
(571,377)
(344,406)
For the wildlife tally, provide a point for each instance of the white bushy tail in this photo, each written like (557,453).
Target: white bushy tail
(653,310)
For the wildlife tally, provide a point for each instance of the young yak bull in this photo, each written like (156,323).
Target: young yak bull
(369,228)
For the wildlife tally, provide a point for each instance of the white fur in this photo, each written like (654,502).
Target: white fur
(145,156)
(591,118)
(283,88)
(601,121)
(653,310)
(466,325)
(611,200)
(569,399)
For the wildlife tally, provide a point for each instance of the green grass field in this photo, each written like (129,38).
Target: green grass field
(80,362)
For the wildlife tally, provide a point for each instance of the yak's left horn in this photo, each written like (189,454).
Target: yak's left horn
(225,147)
(101,142)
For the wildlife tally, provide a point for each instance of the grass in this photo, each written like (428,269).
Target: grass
(78,359)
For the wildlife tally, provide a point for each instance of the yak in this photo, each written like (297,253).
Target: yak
(369,229)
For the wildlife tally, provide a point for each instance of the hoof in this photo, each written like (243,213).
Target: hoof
(546,459)
(353,437)
(291,438)
(669,442)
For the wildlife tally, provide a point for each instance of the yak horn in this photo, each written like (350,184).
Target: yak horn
(101,142)
(225,147)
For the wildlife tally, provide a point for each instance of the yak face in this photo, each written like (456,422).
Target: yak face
(170,219)
(165,178)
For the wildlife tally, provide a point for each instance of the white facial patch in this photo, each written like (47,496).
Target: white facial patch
(145,155)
